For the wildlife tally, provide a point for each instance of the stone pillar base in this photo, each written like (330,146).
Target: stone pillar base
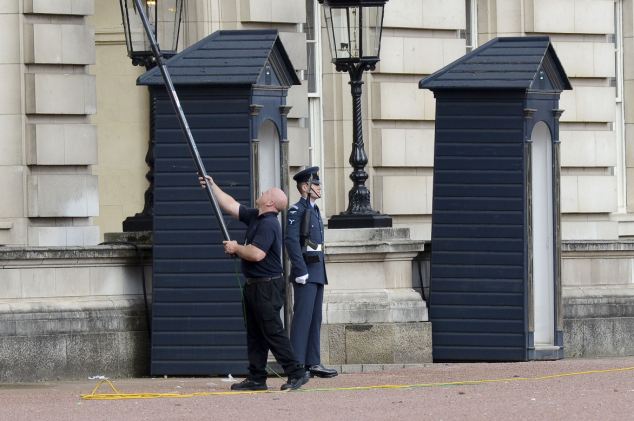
(371,314)
(376,343)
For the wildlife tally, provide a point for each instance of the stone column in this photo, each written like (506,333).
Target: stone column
(12,171)
(60,141)
(371,314)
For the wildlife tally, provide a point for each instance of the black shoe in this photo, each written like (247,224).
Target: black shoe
(321,371)
(248,384)
(295,383)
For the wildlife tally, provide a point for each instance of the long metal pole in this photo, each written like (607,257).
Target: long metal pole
(181,117)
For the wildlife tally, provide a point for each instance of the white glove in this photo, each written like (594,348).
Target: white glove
(301,279)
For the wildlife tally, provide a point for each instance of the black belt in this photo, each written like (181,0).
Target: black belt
(252,281)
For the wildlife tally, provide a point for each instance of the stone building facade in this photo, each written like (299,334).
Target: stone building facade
(74,136)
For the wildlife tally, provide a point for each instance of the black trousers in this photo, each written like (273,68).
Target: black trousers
(263,302)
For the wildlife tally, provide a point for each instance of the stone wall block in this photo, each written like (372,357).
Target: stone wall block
(588,148)
(586,59)
(628,58)
(628,107)
(10,7)
(7,327)
(579,194)
(429,14)
(9,43)
(281,11)
(108,281)
(569,16)
(86,353)
(60,7)
(413,342)
(297,146)
(593,187)
(397,101)
(12,188)
(589,230)
(37,283)
(47,236)
(21,358)
(576,272)
(72,282)
(133,284)
(11,139)
(356,312)
(10,284)
(46,43)
(588,104)
(78,44)
(408,15)
(60,93)
(365,343)
(295,46)
(11,98)
(61,144)
(377,344)
(418,55)
(396,187)
(62,195)
(335,334)
(403,147)
(133,350)
(63,236)
(298,99)
(443,14)
(43,43)
(573,339)
(598,337)
(350,277)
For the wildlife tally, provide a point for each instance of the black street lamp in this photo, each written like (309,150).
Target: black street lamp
(354,30)
(165,18)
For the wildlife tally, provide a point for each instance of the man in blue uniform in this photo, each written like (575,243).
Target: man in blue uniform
(305,245)
(264,290)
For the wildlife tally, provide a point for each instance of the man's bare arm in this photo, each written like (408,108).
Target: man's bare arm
(248,252)
(225,201)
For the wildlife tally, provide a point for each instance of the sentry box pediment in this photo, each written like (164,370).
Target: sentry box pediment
(523,63)
(495,268)
(255,57)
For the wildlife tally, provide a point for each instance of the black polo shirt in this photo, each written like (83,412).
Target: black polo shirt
(264,232)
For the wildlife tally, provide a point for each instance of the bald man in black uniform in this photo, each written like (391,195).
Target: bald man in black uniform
(264,290)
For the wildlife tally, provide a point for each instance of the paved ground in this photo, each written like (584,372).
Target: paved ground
(573,389)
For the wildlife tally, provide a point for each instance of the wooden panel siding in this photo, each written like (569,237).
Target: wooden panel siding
(197,323)
(477,270)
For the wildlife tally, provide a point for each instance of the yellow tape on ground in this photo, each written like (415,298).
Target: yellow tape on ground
(118,395)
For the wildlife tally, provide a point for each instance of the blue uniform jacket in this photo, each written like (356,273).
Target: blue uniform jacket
(295,245)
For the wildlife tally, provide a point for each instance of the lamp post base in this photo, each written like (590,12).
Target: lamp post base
(359,221)
(138,222)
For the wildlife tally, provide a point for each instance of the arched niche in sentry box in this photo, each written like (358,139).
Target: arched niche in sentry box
(495,290)
(232,86)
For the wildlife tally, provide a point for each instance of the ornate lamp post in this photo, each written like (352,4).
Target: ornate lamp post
(165,18)
(354,30)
